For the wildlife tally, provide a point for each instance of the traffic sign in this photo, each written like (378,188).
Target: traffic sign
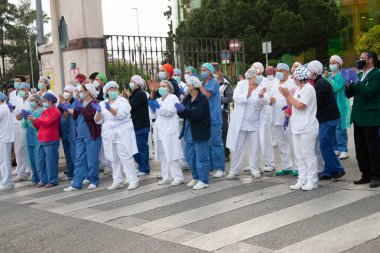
(225,55)
(234,45)
(267,47)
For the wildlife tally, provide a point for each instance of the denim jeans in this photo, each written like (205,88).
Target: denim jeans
(142,157)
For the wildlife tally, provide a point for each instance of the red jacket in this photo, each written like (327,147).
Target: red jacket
(48,125)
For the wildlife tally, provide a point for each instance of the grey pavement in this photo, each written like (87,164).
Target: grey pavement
(245,215)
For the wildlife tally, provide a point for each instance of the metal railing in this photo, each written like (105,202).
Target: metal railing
(143,55)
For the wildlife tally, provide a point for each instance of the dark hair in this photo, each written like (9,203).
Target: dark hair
(373,55)
(93,75)
(23,79)
(216,66)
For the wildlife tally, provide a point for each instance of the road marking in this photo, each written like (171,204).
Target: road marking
(163,201)
(242,231)
(242,247)
(341,238)
(204,212)
(177,235)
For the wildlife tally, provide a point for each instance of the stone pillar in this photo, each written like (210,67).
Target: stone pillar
(86,45)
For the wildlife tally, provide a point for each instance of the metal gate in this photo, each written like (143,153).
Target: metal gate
(141,55)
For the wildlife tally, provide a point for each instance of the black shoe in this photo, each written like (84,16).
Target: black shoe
(324,177)
(338,175)
(362,180)
(374,183)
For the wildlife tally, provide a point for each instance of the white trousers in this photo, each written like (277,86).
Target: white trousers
(5,164)
(20,150)
(123,165)
(253,140)
(320,161)
(170,170)
(102,159)
(285,145)
(266,143)
(304,149)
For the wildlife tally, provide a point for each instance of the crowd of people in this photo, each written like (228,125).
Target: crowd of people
(104,127)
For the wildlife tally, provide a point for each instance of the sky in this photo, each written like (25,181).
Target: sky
(119,17)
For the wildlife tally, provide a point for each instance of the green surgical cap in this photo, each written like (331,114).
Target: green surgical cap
(190,69)
(102,77)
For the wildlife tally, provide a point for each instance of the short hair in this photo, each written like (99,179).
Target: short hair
(217,66)
(22,78)
(93,75)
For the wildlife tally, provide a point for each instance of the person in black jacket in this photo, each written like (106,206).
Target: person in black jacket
(328,117)
(196,131)
(140,118)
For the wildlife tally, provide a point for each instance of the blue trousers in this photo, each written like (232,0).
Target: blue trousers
(68,156)
(48,156)
(217,161)
(87,151)
(197,156)
(33,163)
(341,139)
(327,132)
(142,157)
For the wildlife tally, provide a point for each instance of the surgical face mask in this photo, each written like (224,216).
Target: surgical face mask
(82,95)
(66,95)
(361,64)
(22,94)
(16,85)
(32,104)
(75,96)
(270,77)
(113,94)
(45,104)
(215,76)
(177,78)
(187,76)
(132,86)
(40,86)
(280,76)
(162,76)
(204,74)
(163,91)
(96,84)
(334,67)
(259,79)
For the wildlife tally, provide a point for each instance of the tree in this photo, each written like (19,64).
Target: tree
(369,41)
(293,26)
(7,11)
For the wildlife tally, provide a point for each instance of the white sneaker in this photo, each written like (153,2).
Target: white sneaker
(70,189)
(337,153)
(20,178)
(86,181)
(247,169)
(30,178)
(140,174)
(343,155)
(200,186)
(268,168)
(107,171)
(176,182)
(31,183)
(115,186)
(92,187)
(159,176)
(162,182)
(256,175)
(66,178)
(232,176)
(309,186)
(133,186)
(192,182)
(274,143)
(6,187)
(296,186)
(218,173)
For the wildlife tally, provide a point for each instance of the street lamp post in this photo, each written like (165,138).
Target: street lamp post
(138,44)
(137,17)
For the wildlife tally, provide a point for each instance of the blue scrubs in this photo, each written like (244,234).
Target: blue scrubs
(87,155)
(216,143)
(65,130)
(48,156)
(327,133)
(197,156)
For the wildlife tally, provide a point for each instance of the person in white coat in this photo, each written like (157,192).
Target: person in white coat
(7,136)
(249,112)
(281,122)
(118,136)
(166,134)
(305,128)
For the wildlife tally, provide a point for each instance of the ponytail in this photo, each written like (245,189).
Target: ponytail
(373,55)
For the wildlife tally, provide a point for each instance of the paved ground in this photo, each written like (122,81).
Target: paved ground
(244,215)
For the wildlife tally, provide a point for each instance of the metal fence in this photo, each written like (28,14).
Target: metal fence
(142,55)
